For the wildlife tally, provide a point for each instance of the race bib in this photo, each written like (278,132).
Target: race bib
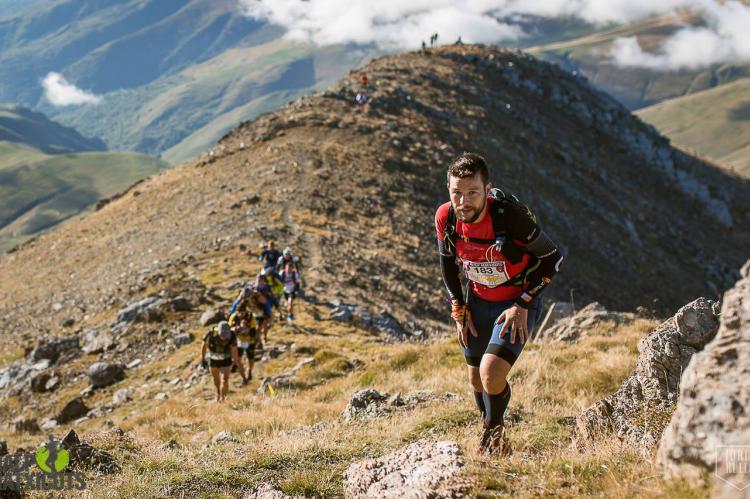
(490,274)
(244,344)
(218,356)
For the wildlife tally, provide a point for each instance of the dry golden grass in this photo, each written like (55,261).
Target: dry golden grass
(277,441)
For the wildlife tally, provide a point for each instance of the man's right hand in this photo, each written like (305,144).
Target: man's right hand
(463,328)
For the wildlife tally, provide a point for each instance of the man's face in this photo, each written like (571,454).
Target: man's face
(468,197)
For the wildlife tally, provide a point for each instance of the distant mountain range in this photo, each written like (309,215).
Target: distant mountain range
(49,173)
(23,126)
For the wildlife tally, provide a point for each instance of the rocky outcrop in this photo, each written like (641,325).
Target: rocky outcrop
(211,317)
(370,403)
(422,469)
(582,323)
(555,312)
(103,374)
(84,456)
(52,349)
(145,310)
(641,407)
(712,418)
(72,410)
(356,314)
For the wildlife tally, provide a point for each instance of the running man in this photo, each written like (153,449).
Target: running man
(269,256)
(508,260)
(220,344)
(244,327)
(291,279)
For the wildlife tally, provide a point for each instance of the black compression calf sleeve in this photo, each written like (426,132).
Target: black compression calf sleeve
(495,406)
(479,399)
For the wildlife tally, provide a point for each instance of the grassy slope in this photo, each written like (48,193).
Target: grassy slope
(24,126)
(552,382)
(37,191)
(210,98)
(329,64)
(715,123)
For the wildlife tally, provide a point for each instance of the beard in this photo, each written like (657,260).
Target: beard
(476,214)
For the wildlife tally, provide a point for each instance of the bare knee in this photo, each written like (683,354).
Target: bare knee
(475,379)
(493,372)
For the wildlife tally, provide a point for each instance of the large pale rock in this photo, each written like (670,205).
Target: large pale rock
(710,429)
(640,409)
(211,317)
(582,323)
(422,469)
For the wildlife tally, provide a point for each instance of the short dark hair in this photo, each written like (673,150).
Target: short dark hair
(468,164)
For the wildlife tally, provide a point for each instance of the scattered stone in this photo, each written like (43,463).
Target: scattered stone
(48,424)
(68,322)
(356,314)
(52,383)
(642,406)
(100,343)
(72,410)
(161,396)
(180,304)
(211,317)
(122,396)
(369,402)
(39,382)
(712,417)
(52,349)
(182,339)
(280,381)
(422,469)
(267,491)
(133,363)
(223,437)
(103,374)
(146,310)
(580,324)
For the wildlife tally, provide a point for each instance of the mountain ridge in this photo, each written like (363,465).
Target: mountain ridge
(574,147)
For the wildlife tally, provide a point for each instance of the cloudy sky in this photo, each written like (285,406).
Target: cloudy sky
(397,24)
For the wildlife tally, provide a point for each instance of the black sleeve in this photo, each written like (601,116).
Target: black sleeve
(449,271)
(524,230)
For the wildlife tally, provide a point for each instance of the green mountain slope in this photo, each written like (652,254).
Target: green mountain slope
(212,97)
(715,123)
(39,191)
(23,126)
(637,87)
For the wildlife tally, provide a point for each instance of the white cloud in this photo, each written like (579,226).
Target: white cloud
(59,92)
(725,37)
(399,24)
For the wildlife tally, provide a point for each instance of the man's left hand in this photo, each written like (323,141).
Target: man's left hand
(516,320)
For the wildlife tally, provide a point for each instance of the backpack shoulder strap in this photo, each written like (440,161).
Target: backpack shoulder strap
(500,201)
(449,232)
